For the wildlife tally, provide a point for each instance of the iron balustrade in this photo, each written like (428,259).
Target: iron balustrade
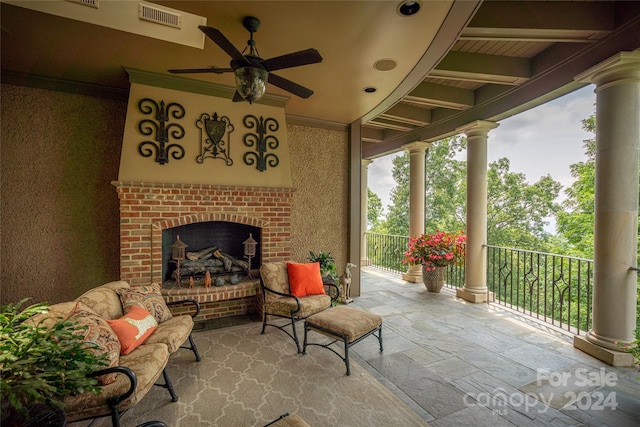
(385,251)
(552,288)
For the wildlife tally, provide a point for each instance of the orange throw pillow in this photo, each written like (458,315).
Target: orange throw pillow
(305,279)
(133,328)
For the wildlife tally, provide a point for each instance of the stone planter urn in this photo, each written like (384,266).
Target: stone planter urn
(433,280)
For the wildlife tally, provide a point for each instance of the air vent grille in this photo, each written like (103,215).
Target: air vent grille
(159,16)
(91,3)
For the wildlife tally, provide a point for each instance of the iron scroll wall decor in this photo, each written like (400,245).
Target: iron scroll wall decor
(162,130)
(261,141)
(212,144)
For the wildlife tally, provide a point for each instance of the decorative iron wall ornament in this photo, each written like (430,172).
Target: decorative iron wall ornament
(261,141)
(162,130)
(214,146)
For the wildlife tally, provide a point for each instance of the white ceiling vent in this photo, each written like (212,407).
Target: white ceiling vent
(91,3)
(159,16)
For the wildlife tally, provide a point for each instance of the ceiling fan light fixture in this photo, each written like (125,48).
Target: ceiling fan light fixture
(251,82)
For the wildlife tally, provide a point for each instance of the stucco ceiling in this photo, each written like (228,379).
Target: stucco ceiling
(457,61)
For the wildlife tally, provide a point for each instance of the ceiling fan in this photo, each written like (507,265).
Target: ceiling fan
(251,71)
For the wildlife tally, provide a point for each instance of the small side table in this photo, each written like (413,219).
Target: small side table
(345,324)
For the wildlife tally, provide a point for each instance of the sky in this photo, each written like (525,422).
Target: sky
(545,140)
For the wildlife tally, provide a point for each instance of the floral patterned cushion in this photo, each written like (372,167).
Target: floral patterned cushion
(104,300)
(275,277)
(174,332)
(99,337)
(147,361)
(148,297)
(309,305)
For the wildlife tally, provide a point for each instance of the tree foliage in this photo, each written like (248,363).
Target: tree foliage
(374,211)
(517,211)
(398,218)
(445,186)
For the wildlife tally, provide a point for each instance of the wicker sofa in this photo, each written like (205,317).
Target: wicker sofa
(134,373)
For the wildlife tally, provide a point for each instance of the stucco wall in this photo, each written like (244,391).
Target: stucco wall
(319,172)
(59,217)
(59,224)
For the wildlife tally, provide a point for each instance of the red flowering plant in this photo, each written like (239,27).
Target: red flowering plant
(439,249)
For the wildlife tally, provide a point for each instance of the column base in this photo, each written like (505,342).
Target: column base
(473,296)
(408,277)
(364,262)
(608,356)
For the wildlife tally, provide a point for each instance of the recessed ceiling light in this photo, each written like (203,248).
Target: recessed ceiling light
(369,89)
(385,65)
(408,8)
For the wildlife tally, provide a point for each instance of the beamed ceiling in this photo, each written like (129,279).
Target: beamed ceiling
(456,61)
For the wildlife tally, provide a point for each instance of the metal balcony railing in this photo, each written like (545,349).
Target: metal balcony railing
(552,288)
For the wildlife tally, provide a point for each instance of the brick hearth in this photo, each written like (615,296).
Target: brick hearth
(146,209)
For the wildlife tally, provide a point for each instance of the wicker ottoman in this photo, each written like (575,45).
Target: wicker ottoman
(345,324)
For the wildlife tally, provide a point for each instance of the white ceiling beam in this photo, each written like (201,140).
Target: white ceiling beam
(483,68)
(436,95)
(408,114)
(559,21)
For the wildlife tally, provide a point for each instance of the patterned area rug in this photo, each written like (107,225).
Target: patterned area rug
(249,379)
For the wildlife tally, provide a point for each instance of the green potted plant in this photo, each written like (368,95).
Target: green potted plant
(328,268)
(41,365)
(435,252)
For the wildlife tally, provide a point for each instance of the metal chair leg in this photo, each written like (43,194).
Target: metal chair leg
(194,348)
(167,384)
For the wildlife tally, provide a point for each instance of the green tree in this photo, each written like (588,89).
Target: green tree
(398,218)
(517,210)
(445,186)
(374,211)
(575,223)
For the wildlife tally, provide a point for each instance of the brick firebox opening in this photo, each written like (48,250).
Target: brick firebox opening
(146,209)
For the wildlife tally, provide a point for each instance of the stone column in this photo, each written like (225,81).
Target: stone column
(417,151)
(475,283)
(617,83)
(364,260)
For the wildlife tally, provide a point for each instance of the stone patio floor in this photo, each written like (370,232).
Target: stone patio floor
(461,364)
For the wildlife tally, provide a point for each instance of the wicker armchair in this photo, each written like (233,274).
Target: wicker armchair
(279,302)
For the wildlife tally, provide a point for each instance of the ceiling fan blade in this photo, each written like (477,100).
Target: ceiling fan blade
(218,38)
(294,59)
(290,86)
(200,70)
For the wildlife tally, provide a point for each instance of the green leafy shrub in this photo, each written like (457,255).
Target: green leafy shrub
(42,365)
(327,265)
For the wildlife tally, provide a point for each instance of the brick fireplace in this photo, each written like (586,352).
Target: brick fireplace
(147,209)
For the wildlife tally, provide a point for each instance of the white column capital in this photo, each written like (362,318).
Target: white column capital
(417,147)
(479,127)
(365,163)
(623,65)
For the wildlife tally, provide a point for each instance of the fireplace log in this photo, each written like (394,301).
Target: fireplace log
(211,260)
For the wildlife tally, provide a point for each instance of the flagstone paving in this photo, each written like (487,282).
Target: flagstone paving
(458,364)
